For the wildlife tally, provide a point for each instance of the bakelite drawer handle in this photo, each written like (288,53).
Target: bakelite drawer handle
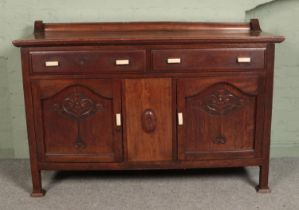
(51,63)
(173,60)
(244,59)
(180,118)
(122,62)
(118,119)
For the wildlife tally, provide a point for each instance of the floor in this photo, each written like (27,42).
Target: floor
(174,190)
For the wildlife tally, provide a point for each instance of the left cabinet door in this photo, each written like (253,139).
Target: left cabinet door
(76,120)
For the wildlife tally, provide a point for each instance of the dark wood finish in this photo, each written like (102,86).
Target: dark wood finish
(220,117)
(264,167)
(217,59)
(152,165)
(145,33)
(88,61)
(140,26)
(149,120)
(148,110)
(87,113)
(255,25)
(75,120)
(37,190)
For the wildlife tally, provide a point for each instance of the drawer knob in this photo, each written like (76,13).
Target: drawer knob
(51,63)
(180,118)
(173,60)
(244,59)
(118,119)
(122,62)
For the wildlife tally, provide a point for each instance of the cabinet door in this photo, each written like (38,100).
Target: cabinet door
(76,120)
(148,109)
(220,117)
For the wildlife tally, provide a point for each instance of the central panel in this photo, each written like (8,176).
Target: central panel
(148,108)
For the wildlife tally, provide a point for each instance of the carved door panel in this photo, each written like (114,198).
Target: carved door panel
(148,109)
(75,120)
(221,117)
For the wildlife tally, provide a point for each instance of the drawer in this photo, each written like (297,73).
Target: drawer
(208,59)
(100,61)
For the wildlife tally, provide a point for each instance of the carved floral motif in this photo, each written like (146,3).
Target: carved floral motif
(78,107)
(222,102)
(219,140)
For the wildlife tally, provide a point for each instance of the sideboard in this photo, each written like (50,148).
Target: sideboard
(148,95)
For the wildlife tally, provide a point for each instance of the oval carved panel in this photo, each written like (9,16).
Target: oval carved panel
(149,120)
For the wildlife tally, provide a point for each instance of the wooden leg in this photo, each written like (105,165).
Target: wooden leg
(37,190)
(263,186)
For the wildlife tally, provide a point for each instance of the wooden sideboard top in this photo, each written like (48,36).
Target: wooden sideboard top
(53,34)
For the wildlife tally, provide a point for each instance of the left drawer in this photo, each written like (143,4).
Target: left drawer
(96,61)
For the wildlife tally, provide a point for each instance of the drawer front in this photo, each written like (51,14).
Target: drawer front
(102,61)
(208,59)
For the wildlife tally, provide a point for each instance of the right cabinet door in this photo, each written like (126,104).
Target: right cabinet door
(220,117)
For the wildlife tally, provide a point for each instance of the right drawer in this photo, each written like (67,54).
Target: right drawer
(217,59)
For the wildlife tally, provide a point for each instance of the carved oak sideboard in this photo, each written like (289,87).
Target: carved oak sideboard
(155,95)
